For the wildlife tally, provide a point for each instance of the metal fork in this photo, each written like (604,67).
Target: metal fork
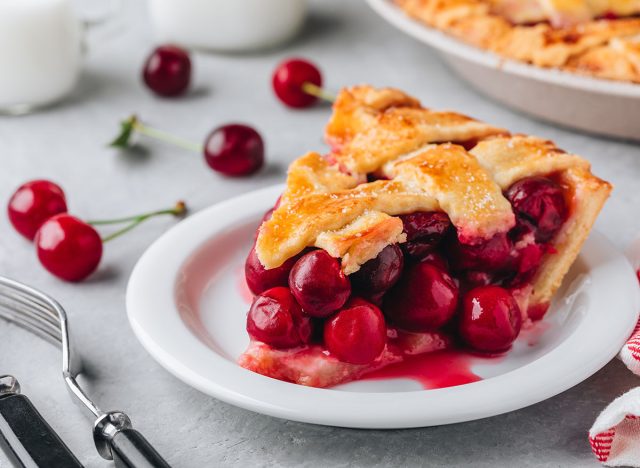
(114,437)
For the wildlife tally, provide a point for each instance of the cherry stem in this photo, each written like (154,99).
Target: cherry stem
(180,209)
(318,92)
(165,136)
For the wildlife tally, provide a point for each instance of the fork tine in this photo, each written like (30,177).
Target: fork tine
(26,307)
(31,307)
(35,303)
(31,312)
(16,308)
(32,326)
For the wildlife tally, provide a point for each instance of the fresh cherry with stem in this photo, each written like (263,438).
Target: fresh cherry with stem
(233,149)
(298,83)
(71,249)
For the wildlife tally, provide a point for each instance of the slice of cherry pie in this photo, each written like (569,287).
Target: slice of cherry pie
(420,230)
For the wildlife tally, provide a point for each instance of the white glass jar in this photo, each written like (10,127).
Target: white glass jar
(40,53)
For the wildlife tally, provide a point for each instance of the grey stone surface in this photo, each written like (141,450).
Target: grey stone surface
(67,144)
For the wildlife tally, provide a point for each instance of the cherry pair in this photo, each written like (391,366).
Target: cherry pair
(67,247)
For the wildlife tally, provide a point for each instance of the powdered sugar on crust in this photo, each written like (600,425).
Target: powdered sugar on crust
(387,132)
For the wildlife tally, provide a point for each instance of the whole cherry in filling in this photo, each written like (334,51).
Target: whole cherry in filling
(493,254)
(436,259)
(276,318)
(425,230)
(318,284)
(260,279)
(424,299)
(541,202)
(357,334)
(379,274)
(490,320)
(528,260)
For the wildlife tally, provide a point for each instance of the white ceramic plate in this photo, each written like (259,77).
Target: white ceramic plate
(594,105)
(187,303)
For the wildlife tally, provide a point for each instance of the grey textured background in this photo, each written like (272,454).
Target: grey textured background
(67,144)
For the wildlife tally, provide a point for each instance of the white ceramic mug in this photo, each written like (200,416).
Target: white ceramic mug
(41,43)
(227,25)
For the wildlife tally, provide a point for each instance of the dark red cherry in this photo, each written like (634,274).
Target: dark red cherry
(33,203)
(289,78)
(275,318)
(540,201)
(424,299)
(487,255)
(377,299)
(425,230)
(474,278)
(490,320)
(68,248)
(318,284)
(379,274)
(437,260)
(528,260)
(357,334)
(260,279)
(234,150)
(167,71)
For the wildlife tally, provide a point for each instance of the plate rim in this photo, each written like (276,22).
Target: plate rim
(447,44)
(150,314)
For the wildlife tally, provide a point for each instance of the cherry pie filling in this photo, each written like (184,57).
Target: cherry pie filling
(422,295)
(563,14)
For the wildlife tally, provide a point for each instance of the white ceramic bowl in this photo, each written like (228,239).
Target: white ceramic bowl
(594,105)
(227,25)
(187,303)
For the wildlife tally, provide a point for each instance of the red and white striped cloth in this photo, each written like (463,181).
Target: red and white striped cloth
(615,435)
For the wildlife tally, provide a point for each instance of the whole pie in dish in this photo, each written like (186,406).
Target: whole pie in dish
(600,38)
(419,231)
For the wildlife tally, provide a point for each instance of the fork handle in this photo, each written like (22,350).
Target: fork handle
(130,449)
(27,439)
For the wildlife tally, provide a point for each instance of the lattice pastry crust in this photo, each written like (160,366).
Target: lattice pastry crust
(421,156)
(529,31)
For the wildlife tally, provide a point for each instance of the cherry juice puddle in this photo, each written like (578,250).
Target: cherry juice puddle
(440,369)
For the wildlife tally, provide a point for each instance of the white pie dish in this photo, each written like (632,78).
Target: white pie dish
(594,105)
(186,308)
